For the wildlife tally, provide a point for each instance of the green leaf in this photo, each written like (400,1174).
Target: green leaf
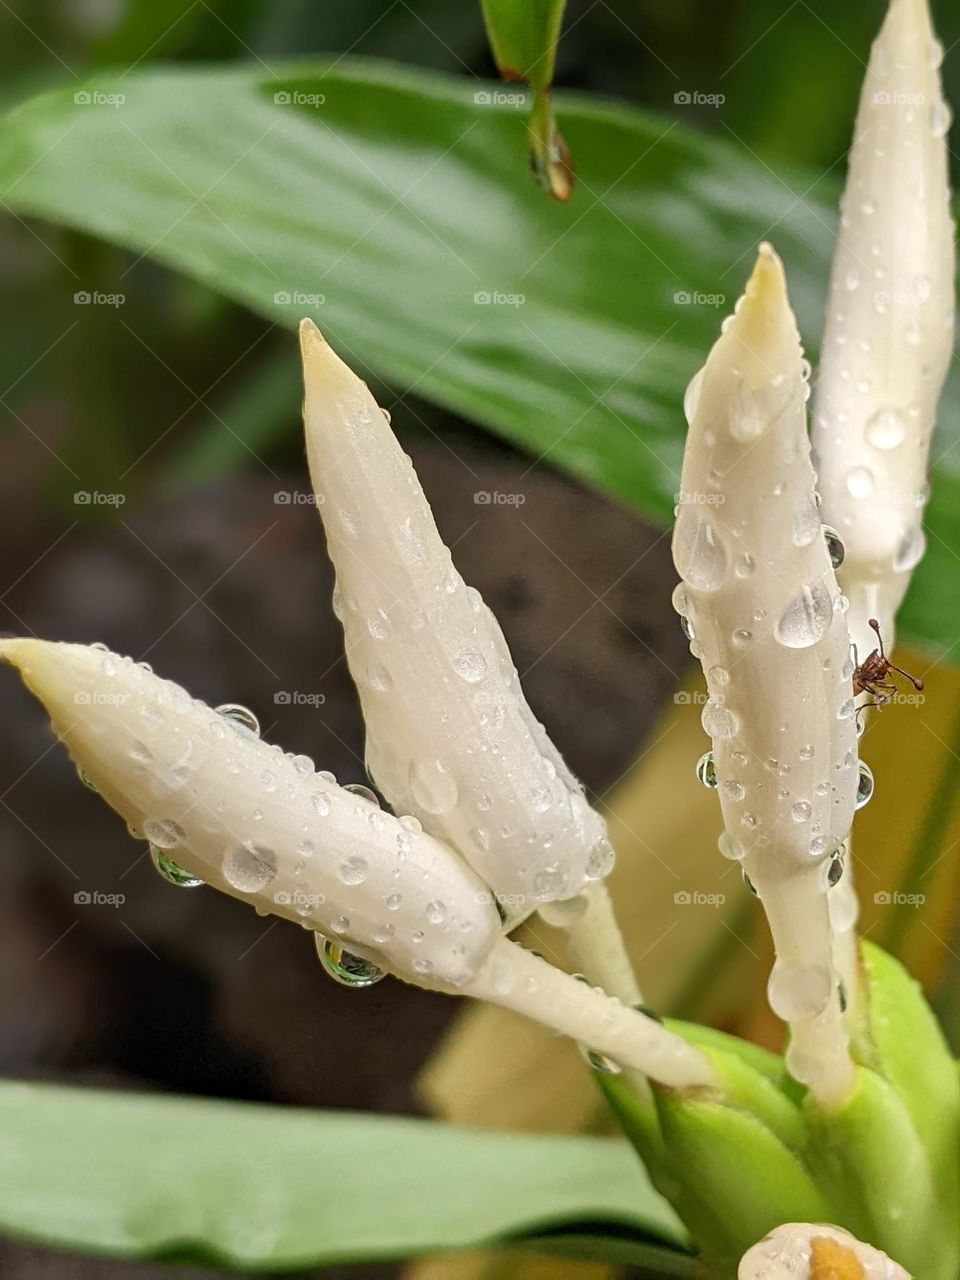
(399,200)
(279,1188)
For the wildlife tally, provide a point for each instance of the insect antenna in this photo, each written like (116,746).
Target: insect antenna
(874,625)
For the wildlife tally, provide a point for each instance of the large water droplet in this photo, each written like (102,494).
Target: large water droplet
(835,548)
(707,770)
(434,789)
(344,967)
(864,785)
(860,482)
(249,867)
(941,118)
(470,665)
(600,862)
(730,848)
(353,870)
(691,397)
(550,882)
(365,793)
(806,618)
(886,429)
(171,871)
(240,715)
(163,832)
(717,720)
(801,811)
(910,550)
(798,992)
(698,553)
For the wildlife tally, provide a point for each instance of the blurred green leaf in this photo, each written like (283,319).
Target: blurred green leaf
(276,1187)
(387,205)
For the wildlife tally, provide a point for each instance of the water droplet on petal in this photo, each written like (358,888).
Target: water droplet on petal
(434,789)
(691,397)
(806,526)
(364,792)
(835,548)
(344,967)
(600,861)
(860,482)
(717,720)
(352,870)
(239,715)
(699,554)
(747,420)
(798,992)
(707,770)
(171,871)
(801,811)
(249,867)
(550,882)
(163,832)
(833,872)
(865,785)
(600,1063)
(886,429)
(470,665)
(730,848)
(806,619)
(910,550)
(941,119)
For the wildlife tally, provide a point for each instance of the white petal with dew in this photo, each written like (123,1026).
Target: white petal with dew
(450,737)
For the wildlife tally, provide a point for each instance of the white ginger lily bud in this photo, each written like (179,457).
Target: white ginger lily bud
(760,596)
(889,324)
(450,737)
(264,827)
(805,1251)
(255,823)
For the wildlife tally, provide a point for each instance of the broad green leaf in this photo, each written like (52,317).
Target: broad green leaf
(279,1188)
(570,330)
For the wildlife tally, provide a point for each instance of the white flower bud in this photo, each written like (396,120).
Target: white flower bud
(450,737)
(257,824)
(761,598)
(265,828)
(889,324)
(805,1251)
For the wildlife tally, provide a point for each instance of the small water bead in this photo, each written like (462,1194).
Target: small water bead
(379,678)
(363,792)
(600,861)
(303,765)
(818,846)
(860,482)
(86,781)
(886,429)
(344,967)
(747,419)
(341,924)
(718,676)
(718,721)
(249,867)
(846,709)
(540,797)
(378,624)
(734,790)
(436,912)
(730,848)
(679,599)
(745,566)
(691,397)
(798,992)
(806,618)
(835,548)
(163,832)
(806,526)
(239,715)
(749,820)
(742,637)
(941,118)
(750,885)
(686,626)
(551,882)
(934,54)
(392,901)
(707,770)
(171,871)
(851,281)
(833,873)
(268,780)
(353,870)
(433,787)
(320,804)
(801,811)
(865,785)
(806,752)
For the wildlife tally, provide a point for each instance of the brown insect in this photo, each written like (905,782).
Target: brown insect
(872,675)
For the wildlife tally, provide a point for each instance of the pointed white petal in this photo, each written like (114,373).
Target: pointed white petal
(450,737)
(761,596)
(807,1251)
(257,824)
(890,322)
